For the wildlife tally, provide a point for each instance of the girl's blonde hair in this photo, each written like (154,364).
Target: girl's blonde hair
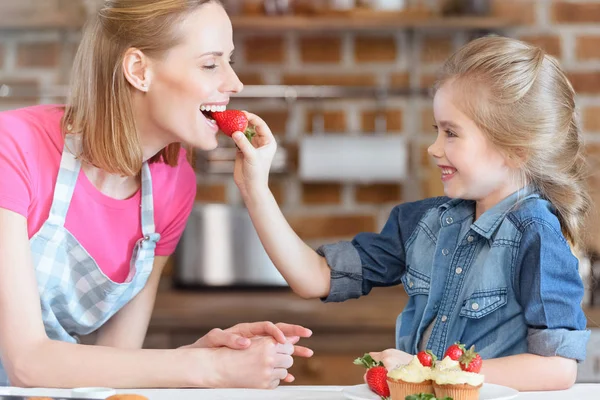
(100,106)
(522,100)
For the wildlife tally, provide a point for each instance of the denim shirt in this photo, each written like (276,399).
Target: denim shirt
(507,283)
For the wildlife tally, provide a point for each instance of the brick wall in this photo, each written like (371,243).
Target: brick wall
(324,212)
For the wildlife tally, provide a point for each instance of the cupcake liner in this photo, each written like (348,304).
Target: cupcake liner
(457,392)
(399,389)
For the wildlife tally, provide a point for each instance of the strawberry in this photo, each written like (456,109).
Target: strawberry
(455,351)
(230,121)
(376,375)
(426,358)
(470,361)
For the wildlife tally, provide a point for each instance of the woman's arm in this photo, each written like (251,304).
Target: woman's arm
(31,359)
(127,328)
(531,372)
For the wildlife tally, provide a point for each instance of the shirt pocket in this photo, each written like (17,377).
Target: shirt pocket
(483,302)
(415,282)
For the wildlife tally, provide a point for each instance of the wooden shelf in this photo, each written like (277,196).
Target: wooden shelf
(336,23)
(41,21)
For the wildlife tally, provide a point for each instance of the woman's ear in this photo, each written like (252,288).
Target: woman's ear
(136,69)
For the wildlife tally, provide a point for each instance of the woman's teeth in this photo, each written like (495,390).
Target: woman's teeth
(448,171)
(213,108)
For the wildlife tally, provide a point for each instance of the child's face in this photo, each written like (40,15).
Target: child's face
(472,168)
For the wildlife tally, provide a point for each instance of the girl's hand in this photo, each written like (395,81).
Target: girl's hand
(263,365)
(253,160)
(391,358)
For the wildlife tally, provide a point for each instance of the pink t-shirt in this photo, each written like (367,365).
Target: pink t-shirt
(31,145)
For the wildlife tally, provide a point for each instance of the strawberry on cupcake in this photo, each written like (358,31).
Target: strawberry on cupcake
(459,379)
(412,378)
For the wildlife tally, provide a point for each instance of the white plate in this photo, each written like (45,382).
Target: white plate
(488,391)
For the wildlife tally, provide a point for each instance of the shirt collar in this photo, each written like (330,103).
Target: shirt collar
(489,221)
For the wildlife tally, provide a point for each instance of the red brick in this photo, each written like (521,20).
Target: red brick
(427,120)
(379,193)
(211,193)
(276,119)
(551,44)
(278,190)
(591,119)
(321,193)
(248,78)
(400,80)
(334,226)
(334,79)
(333,121)
(321,49)
(38,55)
(520,11)
(585,82)
(588,47)
(436,49)
(264,50)
(370,49)
(575,12)
(427,80)
(393,119)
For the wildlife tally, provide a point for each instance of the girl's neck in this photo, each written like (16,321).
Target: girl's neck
(495,197)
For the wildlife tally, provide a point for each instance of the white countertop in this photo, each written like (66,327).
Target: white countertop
(290,392)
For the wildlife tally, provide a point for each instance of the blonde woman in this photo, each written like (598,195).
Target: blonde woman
(94,197)
(490,265)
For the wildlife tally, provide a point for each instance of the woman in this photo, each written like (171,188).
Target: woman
(94,197)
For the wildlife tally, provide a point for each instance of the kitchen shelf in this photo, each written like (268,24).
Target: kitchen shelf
(261,23)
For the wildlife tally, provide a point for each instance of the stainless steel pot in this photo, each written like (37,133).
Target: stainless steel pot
(220,248)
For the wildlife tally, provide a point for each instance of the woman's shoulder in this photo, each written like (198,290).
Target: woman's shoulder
(32,123)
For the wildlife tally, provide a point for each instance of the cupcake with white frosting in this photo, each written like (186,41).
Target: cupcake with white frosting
(412,378)
(460,379)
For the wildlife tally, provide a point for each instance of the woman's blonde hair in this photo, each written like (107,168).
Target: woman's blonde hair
(522,100)
(100,106)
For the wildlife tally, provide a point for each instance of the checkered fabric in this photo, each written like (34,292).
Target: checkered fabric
(76,297)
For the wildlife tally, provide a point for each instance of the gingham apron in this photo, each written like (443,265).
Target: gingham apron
(76,296)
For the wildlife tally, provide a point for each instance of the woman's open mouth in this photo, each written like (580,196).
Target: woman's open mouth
(207,111)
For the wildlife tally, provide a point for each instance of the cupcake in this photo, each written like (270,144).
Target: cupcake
(459,379)
(412,378)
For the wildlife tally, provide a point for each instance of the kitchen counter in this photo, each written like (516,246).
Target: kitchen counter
(579,391)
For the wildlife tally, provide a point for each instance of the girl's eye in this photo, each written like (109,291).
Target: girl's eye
(450,133)
(213,66)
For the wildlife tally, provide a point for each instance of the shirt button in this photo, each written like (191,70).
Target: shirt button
(444,318)
(410,284)
(445,252)
(449,220)
(475,306)
(458,270)
(470,238)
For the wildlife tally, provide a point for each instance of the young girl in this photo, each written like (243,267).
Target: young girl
(94,197)
(490,265)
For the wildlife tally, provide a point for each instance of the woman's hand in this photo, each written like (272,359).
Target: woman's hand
(263,365)
(253,160)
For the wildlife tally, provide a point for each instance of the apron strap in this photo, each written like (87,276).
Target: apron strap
(66,180)
(147,205)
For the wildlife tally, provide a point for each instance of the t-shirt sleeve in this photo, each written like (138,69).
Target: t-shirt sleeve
(17,158)
(179,208)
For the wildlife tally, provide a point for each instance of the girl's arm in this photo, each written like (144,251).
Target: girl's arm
(30,358)
(531,372)
(306,272)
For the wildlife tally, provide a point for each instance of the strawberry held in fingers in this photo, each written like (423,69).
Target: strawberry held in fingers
(376,375)
(230,121)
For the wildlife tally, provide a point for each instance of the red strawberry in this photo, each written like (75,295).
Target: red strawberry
(471,361)
(426,358)
(230,121)
(376,375)
(455,351)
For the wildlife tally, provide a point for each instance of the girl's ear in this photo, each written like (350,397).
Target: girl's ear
(517,159)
